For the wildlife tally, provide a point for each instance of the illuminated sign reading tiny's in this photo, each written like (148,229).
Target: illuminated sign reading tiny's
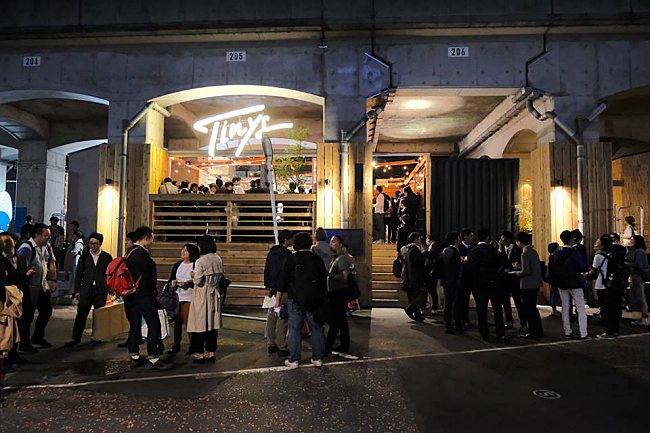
(227,126)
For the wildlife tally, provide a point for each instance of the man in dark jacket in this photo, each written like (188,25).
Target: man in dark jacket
(510,256)
(465,283)
(450,274)
(277,324)
(304,280)
(415,276)
(404,231)
(143,303)
(89,284)
(483,265)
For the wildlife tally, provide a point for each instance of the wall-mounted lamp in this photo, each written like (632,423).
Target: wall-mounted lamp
(557,182)
(108,181)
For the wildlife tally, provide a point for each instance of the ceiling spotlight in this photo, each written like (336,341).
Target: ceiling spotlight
(417,104)
(405,167)
(374,163)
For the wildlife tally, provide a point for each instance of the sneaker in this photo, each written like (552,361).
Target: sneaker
(283,353)
(160,365)
(606,336)
(41,343)
(641,322)
(317,362)
(137,362)
(272,349)
(292,365)
(72,343)
(569,336)
(596,314)
(409,313)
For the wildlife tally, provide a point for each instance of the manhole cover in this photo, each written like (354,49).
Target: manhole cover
(546,394)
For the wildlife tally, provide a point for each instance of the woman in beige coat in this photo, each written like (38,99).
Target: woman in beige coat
(204,320)
(11,300)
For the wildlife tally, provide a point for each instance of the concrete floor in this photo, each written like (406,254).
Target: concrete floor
(408,377)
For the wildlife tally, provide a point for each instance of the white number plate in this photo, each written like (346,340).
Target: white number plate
(30,61)
(457,51)
(235,56)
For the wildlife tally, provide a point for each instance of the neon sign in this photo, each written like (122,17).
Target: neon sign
(224,128)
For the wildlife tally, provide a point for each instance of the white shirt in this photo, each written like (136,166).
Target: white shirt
(238,189)
(95,256)
(627,236)
(184,274)
(379,203)
(601,262)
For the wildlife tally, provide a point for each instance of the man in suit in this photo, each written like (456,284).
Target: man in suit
(89,284)
(530,279)
(510,255)
(415,276)
(483,265)
(450,274)
(465,285)
(405,231)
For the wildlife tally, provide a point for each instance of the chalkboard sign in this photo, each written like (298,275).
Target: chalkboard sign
(353,238)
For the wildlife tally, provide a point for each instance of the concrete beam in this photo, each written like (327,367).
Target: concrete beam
(73,131)
(443,149)
(36,123)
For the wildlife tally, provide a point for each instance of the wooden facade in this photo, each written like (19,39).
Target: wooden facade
(631,188)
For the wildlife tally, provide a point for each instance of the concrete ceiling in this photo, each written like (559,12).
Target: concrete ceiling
(422,117)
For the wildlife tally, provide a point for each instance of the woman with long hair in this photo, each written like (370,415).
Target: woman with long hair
(204,319)
(180,279)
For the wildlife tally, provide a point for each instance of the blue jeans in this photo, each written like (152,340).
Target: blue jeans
(297,316)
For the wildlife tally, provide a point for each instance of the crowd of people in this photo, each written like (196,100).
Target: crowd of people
(234,186)
(509,270)
(388,212)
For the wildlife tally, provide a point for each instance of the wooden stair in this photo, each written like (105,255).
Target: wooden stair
(243,264)
(386,289)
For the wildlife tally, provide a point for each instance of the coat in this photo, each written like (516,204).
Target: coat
(90,280)
(205,308)
(530,276)
(483,265)
(10,310)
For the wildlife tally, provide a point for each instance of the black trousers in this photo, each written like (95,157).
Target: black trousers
(338,323)
(529,298)
(483,295)
(510,288)
(83,309)
(40,301)
(418,299)
(432,287)
(610,308)
(451,306)
(201,342)
(464,292)
(136,309)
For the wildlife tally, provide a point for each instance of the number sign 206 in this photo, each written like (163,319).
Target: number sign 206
(457,51)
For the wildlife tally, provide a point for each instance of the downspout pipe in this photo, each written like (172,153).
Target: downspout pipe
(127,126)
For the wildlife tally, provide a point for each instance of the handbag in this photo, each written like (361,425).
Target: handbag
(164,325)
(397,268)
(168,300)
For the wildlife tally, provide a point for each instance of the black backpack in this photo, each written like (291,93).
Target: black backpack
(617,271)
(563,273)
(387,202)
(308,291)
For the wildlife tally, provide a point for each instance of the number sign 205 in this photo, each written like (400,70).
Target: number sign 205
(235,56)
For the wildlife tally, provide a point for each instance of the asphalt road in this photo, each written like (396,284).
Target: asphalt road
(408,378)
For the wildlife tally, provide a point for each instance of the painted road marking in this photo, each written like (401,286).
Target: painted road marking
(546,394)
(216,374)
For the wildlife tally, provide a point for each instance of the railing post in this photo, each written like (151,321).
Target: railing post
(229,222)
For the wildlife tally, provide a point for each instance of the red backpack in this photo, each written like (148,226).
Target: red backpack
(118,277)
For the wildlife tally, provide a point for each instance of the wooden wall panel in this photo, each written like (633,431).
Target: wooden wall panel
(600,206)
(328,169)
(159,168)
(108,196)
(137,197)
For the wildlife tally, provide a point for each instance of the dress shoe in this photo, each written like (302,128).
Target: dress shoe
(72,343)
(409,313)
(27,348)
(272,349)
(137,362)
(160,365)
(528,336)
(509,325)
(41,343)
(210,359)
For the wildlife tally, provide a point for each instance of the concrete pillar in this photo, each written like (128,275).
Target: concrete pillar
(3,177)
(41,180)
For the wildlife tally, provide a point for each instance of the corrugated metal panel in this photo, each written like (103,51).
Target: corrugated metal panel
(473,193)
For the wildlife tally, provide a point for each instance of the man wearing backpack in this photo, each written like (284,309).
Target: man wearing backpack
(143,303)
(565,271)
(304,280)
(39,256)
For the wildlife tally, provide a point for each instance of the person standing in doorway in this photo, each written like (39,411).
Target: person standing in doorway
(38,253)
(530,280)
(89,284)
(277,323)
(378,223)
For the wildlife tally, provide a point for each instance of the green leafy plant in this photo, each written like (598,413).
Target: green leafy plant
(525,209)
(288,168)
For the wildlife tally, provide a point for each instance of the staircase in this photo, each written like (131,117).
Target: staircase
(386,289)
(243,264)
